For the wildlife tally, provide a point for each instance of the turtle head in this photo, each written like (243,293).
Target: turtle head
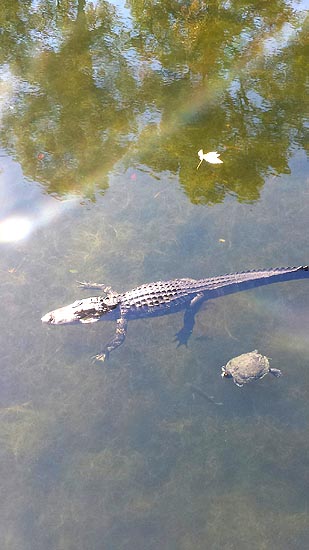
(225,373)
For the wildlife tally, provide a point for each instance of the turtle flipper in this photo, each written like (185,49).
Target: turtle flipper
(275,372)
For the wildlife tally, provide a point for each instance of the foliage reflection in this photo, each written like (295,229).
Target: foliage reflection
(85,88)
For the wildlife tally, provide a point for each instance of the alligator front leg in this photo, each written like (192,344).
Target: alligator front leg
(183,335)
(119,338)
(97,286)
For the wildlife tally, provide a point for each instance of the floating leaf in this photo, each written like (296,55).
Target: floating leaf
(212,157)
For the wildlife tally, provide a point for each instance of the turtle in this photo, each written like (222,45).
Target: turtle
(248,367)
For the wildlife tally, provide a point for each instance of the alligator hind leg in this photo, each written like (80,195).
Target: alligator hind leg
(119,338)
(183,335)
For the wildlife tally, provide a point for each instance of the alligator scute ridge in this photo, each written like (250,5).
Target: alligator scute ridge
(162,298)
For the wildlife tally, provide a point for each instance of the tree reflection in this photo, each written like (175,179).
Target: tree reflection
(91,89)
(71,127)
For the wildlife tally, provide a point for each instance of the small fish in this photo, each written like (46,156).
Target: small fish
(199,391)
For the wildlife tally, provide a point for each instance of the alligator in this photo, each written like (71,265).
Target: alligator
(162,298)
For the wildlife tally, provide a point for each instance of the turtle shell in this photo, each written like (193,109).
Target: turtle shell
(246,367)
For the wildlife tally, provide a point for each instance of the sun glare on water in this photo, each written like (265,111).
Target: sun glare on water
(14,229)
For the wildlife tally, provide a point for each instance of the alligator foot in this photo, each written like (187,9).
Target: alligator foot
(117,340)
(85,285)
(182,337)
(99,286)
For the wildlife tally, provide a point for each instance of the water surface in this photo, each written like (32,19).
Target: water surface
(104,106)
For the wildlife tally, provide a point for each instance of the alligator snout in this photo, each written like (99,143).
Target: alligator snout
(48,318)
(62,316)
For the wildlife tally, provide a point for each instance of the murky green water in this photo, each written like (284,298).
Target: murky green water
(103,108)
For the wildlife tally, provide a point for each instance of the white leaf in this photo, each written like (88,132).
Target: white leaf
(200,154)
(212,157)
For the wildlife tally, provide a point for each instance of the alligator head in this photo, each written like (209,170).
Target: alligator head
(89,310)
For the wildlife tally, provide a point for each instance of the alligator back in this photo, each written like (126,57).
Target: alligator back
(164,297)
(158,298)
